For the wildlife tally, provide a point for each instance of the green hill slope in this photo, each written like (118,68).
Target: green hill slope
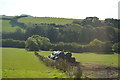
(60,21)
(7,27)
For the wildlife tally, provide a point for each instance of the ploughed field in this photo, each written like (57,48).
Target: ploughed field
(21,63)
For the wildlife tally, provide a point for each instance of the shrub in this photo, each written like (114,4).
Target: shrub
(116,47)
(36,42)
(13,43)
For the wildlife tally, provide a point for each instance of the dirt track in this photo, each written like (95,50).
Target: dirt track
(99,71)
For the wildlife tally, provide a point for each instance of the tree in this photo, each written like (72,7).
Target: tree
(116,47)
(36,43)
(94,46)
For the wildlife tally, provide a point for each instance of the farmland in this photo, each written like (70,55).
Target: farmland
(93,43)
(59,21)
(18,63)
(93,58)
(7,27)
(21,63)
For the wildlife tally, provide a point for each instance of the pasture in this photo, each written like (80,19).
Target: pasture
(7,27)
(59,21)
(18,63)
(93,58)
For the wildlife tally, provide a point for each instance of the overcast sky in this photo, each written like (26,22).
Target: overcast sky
(61,8)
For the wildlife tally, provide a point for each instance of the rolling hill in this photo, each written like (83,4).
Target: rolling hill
(7,27)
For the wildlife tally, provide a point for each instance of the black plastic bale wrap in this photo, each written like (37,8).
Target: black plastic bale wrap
(56,55)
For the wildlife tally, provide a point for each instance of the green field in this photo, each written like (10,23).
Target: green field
(60,21)
(7,27)
(9,17)
(21,63)
(93,58)
(18,63)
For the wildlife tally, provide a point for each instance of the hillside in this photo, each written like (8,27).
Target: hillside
(58,21)
(7,27)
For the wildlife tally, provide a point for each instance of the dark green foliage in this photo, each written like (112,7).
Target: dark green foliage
(113,22)
(74,47)
(53,34)
(18,35)
(94,46)
(116,47)
(13,43)
(98,46)
(14,22)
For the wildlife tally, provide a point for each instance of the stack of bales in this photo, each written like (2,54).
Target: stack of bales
(56,55)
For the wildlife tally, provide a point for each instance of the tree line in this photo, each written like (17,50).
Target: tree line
(79,36)
(37,43)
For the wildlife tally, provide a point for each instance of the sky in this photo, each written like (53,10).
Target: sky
(78,9)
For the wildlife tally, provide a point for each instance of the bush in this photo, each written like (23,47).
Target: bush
(98,46)
(74,47)
(116,47)
(36,43)
(13,43)
(94,46)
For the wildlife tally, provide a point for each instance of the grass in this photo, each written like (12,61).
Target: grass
(93,58)
(18,63)
(7,27)
(9,17)
(60,21)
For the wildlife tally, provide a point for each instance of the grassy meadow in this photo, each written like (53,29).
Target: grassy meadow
(18,63)
(7,27)
(93,58)
(59,21)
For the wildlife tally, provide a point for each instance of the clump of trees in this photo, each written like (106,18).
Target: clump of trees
(94,46)
(36,43)
(98,46)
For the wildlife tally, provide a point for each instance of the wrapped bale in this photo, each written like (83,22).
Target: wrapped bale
(51,57)
(56,55)
(72,60)
(68,55)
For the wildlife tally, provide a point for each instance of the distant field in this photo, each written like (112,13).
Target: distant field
(18,63)
(93,58)
(60,21)
(8,17)
(7,27)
